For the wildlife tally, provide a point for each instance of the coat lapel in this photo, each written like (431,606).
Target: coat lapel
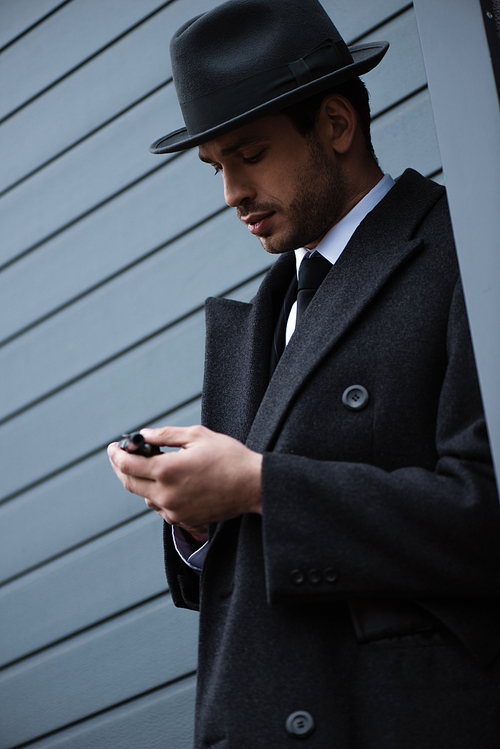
(382,242)
(238,345)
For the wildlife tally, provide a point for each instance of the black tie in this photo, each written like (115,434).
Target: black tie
(312,271)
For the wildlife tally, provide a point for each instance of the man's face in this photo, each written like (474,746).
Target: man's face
(289,190)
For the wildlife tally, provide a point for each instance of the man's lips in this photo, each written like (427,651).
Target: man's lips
(256,221)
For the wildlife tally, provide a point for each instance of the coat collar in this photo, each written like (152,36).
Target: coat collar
(382,242)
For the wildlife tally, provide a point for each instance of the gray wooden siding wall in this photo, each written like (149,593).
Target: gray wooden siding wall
(107,255)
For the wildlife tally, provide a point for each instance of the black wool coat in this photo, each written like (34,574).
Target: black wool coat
(366,598)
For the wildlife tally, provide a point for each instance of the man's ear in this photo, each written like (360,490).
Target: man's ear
(338,121)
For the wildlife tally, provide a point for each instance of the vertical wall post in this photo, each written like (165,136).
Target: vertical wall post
(460,47)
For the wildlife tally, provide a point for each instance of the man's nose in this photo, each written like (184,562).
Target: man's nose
(236,190)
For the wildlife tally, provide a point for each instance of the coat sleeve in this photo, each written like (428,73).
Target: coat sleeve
(341,530)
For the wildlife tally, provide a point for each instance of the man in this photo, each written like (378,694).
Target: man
(349,587)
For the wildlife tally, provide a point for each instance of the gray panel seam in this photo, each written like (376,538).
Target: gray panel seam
(85,137)
(122,352)
(109,709)
(84,62)
(380,24)
(71,549)
(86,213)
(88,628)
(401,101)
(111,277)
(33,25)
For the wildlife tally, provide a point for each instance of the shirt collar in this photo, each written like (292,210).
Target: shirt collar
(335,240)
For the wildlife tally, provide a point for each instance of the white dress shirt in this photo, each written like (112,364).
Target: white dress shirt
(331,247)
(336,239)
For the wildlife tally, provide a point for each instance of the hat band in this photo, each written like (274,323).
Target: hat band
(209,111)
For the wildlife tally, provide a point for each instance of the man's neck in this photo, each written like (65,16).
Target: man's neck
(336,238)
(363,184)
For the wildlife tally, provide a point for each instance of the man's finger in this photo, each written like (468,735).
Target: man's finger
(173,436)
(141,487)
(129,464)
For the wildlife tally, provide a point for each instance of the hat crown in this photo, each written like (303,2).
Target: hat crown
(246,59)
(241,38)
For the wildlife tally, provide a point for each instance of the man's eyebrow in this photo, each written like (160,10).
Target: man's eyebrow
(248,140)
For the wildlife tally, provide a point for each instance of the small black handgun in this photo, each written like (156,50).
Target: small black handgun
(136,445)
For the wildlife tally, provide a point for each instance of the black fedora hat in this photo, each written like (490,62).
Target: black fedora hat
(249,58)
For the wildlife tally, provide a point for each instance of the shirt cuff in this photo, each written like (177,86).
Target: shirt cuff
(193,559)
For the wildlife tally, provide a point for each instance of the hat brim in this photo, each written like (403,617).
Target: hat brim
(365,58)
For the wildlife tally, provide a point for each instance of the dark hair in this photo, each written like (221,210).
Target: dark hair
(303,115)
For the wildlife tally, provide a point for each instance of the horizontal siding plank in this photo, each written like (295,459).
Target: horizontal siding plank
(100,89)
(162,720)
(153,212)
(247,291)
(154,378)
(406,137)
(402,70)
(76,505)
(61,42)
(165,371)
(353,18)
(118,153)
(89,173)
(16,17)
(108,575)
(166,286)
(113,662)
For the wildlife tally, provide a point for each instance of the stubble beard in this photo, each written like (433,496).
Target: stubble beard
(320,200)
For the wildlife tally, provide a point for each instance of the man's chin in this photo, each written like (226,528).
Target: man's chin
(273,246)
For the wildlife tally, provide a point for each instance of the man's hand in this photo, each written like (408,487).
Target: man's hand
(211,478)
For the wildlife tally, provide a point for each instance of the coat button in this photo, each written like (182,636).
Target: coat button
(300,724)
(297,577)
(355,397)
(314,577)
(330,575)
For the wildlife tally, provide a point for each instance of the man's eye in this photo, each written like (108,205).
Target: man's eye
(253,159)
